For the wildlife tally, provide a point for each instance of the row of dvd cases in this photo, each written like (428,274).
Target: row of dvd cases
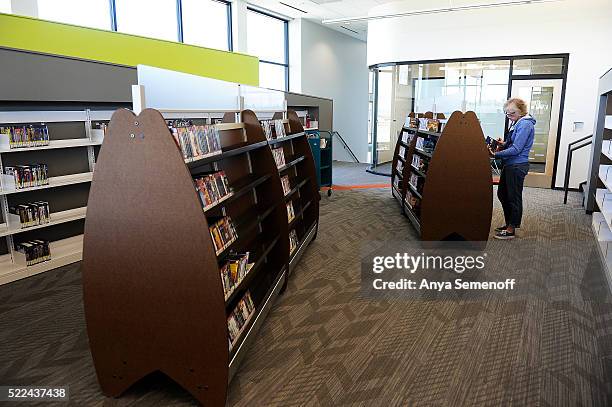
(65,144)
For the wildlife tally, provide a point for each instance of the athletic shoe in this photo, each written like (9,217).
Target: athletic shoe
(504,235)
(499,229)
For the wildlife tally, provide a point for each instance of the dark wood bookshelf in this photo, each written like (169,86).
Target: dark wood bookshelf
(155,269)
(417,171)
(293,161)
(286,138)
(456,200)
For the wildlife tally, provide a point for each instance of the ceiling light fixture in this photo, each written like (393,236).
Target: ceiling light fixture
(436,11)
(348,29)
(295,8)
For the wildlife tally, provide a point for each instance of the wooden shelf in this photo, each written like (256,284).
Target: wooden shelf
(226,153)
(417,171)
(116,260)
(423,152)
(296,188)
(286,138)
(414,191)
(246,280)
(399,175)
(459,169)
(402,159)
(427,132)
(291,163)
(218,202)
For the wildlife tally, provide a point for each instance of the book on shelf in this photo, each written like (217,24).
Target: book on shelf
(423,123)
(293,241)
(411,122)
(290,211)
(279,156)
(402,151)
(413,202)
(427,144)
(31,214)
(27,176)
(433,125)
(212,187)
(279,129)
(223,233)
(400,166)
(419,163)
(31,135)
(417,182)
(195,142)
(286,184)
(233,271)
(266,125)
(238,318)
(273,129)
(35,251)
(396,182)
(407,137)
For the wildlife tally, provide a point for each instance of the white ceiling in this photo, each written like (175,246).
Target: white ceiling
(317,10)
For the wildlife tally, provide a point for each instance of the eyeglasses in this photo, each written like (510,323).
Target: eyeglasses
(510,112)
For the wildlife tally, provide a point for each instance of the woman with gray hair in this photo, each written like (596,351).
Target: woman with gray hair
(514,153)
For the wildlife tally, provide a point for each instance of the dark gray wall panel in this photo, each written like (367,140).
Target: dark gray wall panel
(326,107)
(29,76)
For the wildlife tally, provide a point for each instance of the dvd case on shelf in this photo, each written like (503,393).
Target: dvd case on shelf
(223,233)
(293,241)
(212,188)
(232,272)
(27,176)
(35,251)
(195,142)
(238,318)
(279,156)
(279,129)
(286,184)
(31,214)
(31,135)
(290,211)
(402,152)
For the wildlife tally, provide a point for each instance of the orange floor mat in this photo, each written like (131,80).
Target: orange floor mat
(348,187)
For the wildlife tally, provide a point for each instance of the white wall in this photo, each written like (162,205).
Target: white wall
(582,28)
(334,65)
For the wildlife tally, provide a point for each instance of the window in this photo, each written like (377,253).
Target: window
(538,66)
(90,13)
(267,39)
(140,17)
(5,6)
(206,23)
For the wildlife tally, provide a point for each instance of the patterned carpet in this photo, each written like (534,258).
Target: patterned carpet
(324,345)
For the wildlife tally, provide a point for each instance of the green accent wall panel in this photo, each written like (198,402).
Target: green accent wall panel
(31,34)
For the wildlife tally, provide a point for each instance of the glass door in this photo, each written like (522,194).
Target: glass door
(543,97)
(384,120)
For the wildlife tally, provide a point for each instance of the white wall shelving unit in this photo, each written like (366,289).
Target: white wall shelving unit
(599,188)
(68,249)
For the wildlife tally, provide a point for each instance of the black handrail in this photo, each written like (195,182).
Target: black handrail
(344,143)
(568,165)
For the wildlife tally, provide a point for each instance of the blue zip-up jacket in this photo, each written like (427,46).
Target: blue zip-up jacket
(518,142)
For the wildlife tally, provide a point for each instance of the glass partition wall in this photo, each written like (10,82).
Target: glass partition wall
(480,86)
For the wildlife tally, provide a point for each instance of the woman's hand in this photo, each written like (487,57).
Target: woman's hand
(500,144)
(491,152)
